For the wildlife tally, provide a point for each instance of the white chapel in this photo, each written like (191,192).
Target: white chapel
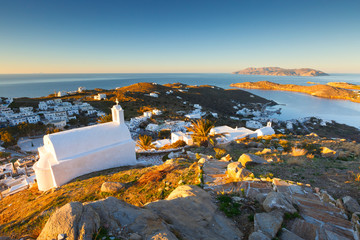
(69,154)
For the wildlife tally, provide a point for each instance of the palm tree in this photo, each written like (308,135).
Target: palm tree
(201,132)
(145,142)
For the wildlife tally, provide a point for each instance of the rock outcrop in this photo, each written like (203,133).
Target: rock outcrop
(74,220)
(187,212)
(248,158)
(236,172)
(191,213)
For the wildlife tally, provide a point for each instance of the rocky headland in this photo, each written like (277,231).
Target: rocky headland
(319,90)
(276,71)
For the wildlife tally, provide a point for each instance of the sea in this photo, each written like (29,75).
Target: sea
(293,105)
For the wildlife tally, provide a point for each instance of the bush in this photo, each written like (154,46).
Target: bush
(178,144)
(145,142)
(219,152)
(164,133)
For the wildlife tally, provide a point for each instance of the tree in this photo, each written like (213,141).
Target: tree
(8,139)
(145,142)
(201,132)
(105,118)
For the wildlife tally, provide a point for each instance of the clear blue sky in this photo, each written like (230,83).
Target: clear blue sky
(72,36)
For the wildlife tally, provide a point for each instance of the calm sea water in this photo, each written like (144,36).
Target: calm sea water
(296,105)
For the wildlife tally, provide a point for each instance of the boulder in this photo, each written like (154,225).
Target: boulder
(248,158)
(260,197)
(268,223)
(236,172)
(112,187)
(351,205)
(276,200)
(190,212)
(114,214)
(73,220)
(328,153)
(258,236)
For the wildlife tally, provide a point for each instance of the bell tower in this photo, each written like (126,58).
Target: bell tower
(117,113)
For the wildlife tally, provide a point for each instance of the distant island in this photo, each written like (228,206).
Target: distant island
(276,71)
(320,90)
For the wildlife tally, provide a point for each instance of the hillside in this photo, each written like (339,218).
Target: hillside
(323,91)
(276,71)
(324,168)
(344,85)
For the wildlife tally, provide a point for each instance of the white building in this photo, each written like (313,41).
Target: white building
(33,119)
(61,94)
(69,154)
(85,107)
(72,112)
(17,121)
(147,114)
(162,142)
(186,137)
(49,115)
(100,96)
(60,124)
(43,106)
(156,111)
(153,94)
(57,101)
(268,130)
(91,111)
(230,134)
(81,89)
(26,109)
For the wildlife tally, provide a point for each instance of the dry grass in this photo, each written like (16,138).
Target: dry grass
(156,175)
(300,161)
(298,152)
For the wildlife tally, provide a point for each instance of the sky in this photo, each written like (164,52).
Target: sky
(180,36)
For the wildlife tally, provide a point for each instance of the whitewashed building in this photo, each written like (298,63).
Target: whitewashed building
(100,96)
(33,119)
(268,130)
(60,124)
(43,106)
(81,89)
(26,109)
(69,154)
(17,121)
(229,134)
(186,137)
